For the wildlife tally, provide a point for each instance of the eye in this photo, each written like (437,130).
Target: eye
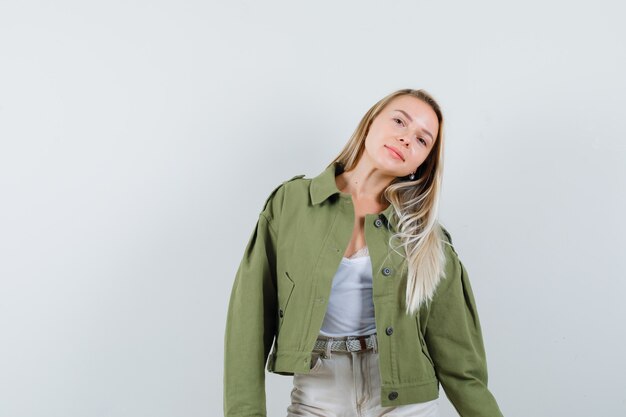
(402,123)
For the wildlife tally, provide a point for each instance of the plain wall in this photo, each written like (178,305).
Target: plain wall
(139,140)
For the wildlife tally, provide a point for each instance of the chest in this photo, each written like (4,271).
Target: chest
(313,240)
(362,208)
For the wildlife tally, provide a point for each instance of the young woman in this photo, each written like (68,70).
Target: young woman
(350,284)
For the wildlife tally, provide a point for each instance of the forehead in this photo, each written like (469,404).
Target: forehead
(417,109)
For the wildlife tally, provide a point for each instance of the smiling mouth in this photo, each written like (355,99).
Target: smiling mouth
(396,153)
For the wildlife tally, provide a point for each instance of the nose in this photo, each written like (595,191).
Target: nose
(404,141)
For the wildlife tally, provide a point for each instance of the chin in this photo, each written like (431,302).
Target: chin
(391,169)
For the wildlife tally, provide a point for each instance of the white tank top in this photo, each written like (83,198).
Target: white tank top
(350,309)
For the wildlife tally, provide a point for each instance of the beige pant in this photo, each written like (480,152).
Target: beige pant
(347,384)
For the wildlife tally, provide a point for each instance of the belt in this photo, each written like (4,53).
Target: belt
(348,344)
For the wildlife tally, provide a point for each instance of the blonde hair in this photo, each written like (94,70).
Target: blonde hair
(415,205)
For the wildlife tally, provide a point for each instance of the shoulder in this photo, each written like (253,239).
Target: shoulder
(452,259)
(445,235)
(452,273)
(277,195)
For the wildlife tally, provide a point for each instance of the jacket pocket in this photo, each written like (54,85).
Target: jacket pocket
(285,289)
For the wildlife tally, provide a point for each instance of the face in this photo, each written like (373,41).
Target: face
(401,136)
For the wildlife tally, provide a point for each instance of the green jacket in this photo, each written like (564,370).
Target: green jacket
(281,290)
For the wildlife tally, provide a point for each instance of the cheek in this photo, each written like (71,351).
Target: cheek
(420,156)
(370,139)
(375,137)
(379,131)
(373,143)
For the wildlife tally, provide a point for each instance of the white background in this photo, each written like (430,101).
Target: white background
(139,140)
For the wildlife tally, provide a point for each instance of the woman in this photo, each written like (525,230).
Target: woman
(353,284)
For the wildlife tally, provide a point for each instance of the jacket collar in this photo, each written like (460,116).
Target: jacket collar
(324,185)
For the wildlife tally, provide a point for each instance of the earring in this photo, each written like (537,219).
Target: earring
(412,176)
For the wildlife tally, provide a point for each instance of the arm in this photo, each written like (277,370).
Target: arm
(251,320)
(454,340)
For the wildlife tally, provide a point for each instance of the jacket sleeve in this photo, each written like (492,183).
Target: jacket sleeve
(251,320)
(454,340)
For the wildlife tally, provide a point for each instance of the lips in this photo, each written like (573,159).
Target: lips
(395,151)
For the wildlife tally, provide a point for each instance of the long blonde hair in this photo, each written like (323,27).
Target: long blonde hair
(415,205)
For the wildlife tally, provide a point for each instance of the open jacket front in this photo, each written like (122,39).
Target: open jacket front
(280,295)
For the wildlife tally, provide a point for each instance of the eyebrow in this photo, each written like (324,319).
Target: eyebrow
(409,117)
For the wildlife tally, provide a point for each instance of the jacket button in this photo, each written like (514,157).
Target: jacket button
(280,312)
(389,330)
(386,271)
(378,222)
(393,395)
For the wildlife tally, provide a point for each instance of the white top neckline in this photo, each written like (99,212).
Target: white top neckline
(361,254)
